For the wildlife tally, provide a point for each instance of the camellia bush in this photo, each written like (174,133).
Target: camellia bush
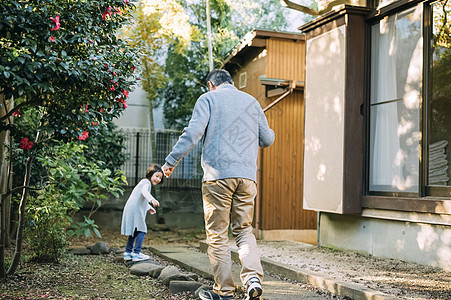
(72,182)
(60,60)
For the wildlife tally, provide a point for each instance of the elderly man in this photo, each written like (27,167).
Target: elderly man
(233,126)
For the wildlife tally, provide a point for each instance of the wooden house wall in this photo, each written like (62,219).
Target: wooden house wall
(282,165)
(285,59)
(255,67)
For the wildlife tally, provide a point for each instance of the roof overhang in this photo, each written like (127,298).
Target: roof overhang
(257,39)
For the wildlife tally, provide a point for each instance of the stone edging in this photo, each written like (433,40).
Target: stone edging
(340,288)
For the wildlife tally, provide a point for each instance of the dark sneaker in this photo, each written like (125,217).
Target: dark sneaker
(253,289)
(210,295)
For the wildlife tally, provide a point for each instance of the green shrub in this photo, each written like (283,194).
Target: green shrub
(47,219)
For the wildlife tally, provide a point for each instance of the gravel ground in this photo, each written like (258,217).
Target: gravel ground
(395,277)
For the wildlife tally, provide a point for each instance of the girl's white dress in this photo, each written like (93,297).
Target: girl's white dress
(135,210)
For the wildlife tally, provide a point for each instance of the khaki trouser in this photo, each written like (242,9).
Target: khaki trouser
(230,200)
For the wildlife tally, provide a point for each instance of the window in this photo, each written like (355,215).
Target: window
(243,80)
(396,75)
(410,102)
(439,96)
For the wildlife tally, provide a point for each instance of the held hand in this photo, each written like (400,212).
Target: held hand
(167,170)
(155,202)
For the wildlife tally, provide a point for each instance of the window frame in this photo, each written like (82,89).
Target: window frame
(429,199)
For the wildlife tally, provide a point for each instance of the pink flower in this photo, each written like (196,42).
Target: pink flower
(126,1)
(114,73)
(26,144)
(112,88)
(83,136)
(53,38)
(94,58)
(125,92)
(57,22)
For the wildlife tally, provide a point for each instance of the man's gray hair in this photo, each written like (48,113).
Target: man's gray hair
(219,76)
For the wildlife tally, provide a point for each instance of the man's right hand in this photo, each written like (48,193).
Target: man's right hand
(167,170)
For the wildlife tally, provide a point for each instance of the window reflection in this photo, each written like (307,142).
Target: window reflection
(439,152)
(396,76)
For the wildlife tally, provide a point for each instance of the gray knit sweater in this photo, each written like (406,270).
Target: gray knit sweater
(234,126)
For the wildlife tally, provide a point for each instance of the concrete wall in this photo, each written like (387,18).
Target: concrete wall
(181,208)
(136,115)
(423,243)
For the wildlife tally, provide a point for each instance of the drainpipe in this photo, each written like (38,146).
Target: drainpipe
(257,198)
(289,91)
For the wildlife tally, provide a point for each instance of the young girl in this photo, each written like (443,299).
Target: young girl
(134,215)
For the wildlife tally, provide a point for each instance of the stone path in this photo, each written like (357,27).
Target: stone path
(197,262)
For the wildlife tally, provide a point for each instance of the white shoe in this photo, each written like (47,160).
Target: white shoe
(139,256)
(127,256)
(253,289)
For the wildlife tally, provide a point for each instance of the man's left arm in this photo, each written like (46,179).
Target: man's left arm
(265,134)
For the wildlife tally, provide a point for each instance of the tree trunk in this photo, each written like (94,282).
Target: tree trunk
(21,224)
(5,185)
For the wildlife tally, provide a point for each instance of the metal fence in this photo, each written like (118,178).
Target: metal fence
(187,174)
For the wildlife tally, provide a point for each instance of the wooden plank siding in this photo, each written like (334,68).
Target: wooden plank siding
(285,59)
(282,164)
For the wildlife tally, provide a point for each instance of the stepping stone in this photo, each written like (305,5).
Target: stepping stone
(177,286)
(100,248)
(80,251)
(130,263)
(144,269)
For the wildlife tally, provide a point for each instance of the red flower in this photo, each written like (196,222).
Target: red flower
(83,136)
(57,22)
(114,73)
(17,113)
(94,123)
(133,69)
(101,110)
(86,108)
(53,38)
(112,88)
(124,103)
(125,92)
(26,144)
(126,1)
(107,12)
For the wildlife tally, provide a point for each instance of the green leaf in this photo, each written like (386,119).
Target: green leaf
(97,232)
(87,232)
